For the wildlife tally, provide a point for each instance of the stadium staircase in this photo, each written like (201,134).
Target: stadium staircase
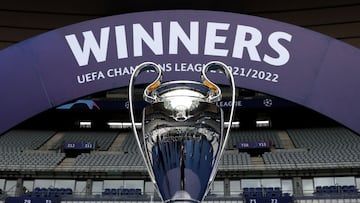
(285,140)
(67,163)
(258,162)
(118,142)
(50,143)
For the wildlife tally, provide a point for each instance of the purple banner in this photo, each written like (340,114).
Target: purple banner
(287,61)
(79,145)
(85,104)
(254,145)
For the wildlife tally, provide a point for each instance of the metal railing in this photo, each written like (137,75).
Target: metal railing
(114,168)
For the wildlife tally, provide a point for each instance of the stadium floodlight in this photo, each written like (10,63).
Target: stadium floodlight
(122,125)
(183,134)
(263,123)
(85,124)
(127,125)
(234,124)
(115,125)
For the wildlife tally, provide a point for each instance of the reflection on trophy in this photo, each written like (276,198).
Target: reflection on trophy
(182,136)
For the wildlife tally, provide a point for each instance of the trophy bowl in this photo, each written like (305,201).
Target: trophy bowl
(182,135)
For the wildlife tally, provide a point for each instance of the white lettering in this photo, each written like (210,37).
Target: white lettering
(89,77)
(121,45)
(114,72)
(216,42)
(211,39)
(274,43)
(228,103)
(140,35)
(166,67)
(241,42)
(177,33)
(90,44)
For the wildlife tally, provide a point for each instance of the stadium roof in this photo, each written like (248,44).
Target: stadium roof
(20,20)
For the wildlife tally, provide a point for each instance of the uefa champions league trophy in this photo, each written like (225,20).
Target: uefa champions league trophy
(182,135)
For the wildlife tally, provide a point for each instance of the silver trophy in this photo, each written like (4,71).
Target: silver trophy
(182,134)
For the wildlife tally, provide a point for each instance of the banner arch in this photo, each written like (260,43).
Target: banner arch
(290,62)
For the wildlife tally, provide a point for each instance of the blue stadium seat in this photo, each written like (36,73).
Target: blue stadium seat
(349,189)
(113,191)
(107,191)
(68,191)
(318,190)
(326,189)
(124,191)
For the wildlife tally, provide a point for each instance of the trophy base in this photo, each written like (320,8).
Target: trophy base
(182,197)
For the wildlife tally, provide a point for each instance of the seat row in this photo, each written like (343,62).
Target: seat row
(262,191)
(121,191)
(19,140)
(266,194)
(50,192)
(336,189)
(31,158)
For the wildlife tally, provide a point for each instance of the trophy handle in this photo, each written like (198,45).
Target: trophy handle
(215,95)
(149,97)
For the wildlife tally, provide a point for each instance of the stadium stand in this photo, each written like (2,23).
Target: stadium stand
(318,148)
(129,144)
(324,138)
(18,140)
(19,149)
(231,161)
(306,155)
(315,148)
(109,161)
(30,160)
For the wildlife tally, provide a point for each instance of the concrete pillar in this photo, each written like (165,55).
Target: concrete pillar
(19,190)
(88,187)
(227,187)
(297,186)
